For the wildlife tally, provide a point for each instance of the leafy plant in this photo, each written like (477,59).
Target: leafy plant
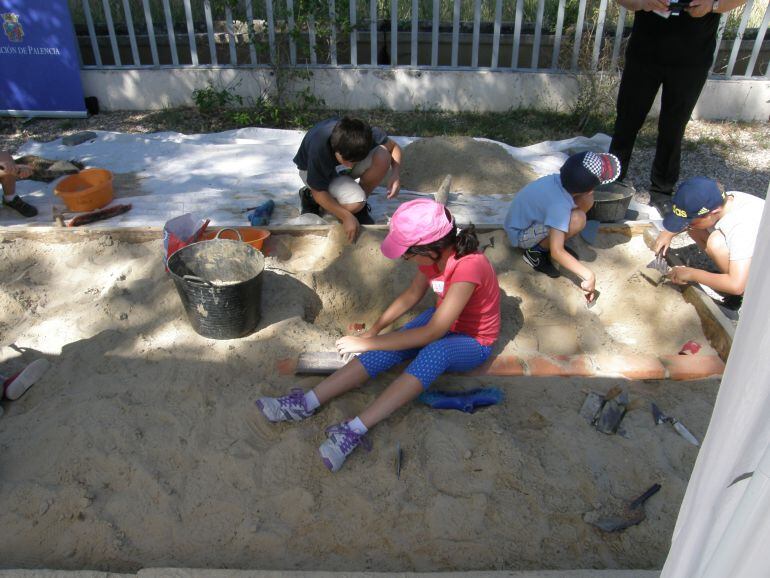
(212,100)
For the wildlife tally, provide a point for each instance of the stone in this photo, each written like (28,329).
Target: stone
(78,138)
(63,167)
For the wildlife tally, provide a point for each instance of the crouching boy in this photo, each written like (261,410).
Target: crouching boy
(724,226)
(367,155)
(552,209)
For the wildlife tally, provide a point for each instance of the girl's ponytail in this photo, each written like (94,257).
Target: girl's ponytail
(466,241)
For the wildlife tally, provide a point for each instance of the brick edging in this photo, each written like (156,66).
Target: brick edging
(634,367)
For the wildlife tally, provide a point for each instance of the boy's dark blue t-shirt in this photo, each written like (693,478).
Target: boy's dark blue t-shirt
(315,154)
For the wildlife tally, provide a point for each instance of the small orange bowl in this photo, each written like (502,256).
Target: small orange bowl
(87,190)
(249,235)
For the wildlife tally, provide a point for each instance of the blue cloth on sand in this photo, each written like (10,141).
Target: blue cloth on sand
(466,401)
(260,216)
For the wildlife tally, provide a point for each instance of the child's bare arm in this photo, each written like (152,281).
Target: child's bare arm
(401,304)
(455,301)
(394,184)
(330,205)
(732,282)
(556,240)
(7,165)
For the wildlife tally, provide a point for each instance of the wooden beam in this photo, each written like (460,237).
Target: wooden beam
(442,195)
(57,234)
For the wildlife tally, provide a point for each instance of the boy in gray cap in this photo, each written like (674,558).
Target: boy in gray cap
(725,227)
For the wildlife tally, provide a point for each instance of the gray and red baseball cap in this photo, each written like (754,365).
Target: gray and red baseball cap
(583,172)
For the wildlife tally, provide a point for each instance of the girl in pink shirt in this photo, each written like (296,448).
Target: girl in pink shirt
(455,335)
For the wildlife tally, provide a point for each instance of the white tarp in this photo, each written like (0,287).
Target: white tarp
(218,176)
(723,529)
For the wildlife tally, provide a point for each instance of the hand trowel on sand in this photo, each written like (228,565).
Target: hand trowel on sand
(656,270)
(625,516)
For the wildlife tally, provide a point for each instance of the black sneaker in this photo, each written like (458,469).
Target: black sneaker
(662,202)
(572,252)
(732,302)
(21,207)
(540,262)
(364,216)
(307,203)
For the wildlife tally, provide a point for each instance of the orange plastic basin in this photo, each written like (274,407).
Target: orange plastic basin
(249,235)
(87,190)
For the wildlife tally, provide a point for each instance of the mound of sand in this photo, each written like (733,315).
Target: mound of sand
(477,167)
(141,446)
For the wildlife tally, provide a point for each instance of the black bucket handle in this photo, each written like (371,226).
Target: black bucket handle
(195,280)
(236,231)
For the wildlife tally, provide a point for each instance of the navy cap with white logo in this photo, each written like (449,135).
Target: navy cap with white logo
(694,198)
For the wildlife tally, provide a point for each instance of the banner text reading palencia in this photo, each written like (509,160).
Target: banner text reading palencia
(36,50)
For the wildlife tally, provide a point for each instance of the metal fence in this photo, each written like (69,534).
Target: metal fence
(430,34)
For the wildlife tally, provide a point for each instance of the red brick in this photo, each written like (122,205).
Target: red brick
(629,366)
(500,365)
(684,367)
(286,366)
(559,365)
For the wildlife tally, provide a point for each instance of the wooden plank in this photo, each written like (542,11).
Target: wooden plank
(79,234)
(92,32)
(210,31)
(191,33)
(144,234)
(319,362)
(442,195)
(111,30)
(496,33)
(557,35)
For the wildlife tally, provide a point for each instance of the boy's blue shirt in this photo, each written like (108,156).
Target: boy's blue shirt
(544,201)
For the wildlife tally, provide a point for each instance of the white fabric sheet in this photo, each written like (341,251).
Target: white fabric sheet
(218,176)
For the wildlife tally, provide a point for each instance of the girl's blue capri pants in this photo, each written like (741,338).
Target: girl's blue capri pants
(453,352)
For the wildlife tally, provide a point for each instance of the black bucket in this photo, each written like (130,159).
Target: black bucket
(220,284)
(611,202)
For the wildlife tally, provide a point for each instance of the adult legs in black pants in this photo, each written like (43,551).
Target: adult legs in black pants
(638,88)
(681,89)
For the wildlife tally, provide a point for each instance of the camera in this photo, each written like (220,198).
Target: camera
(675,8)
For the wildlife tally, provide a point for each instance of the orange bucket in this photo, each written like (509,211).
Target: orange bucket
(249,235)
(87,190)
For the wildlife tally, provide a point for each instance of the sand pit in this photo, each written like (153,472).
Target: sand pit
(477,167)
(141,446)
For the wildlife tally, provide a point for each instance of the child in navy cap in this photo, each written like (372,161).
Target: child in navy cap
(724,225)
(550,210)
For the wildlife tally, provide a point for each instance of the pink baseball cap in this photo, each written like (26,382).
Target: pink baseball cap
(417,222)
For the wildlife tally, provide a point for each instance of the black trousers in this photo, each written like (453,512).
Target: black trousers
(638,86)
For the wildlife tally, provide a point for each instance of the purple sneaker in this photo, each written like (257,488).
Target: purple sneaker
(286,408)
(340,443)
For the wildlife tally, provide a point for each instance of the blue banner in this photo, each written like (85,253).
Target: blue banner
(39,68)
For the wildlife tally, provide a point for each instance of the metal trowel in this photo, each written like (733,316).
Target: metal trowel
(660,418)
(617,519)
(658,269)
